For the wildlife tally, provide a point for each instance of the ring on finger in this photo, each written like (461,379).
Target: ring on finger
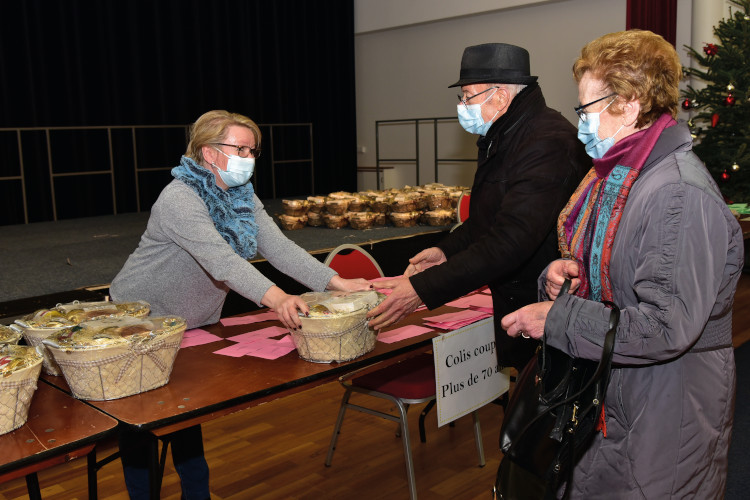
(524,334)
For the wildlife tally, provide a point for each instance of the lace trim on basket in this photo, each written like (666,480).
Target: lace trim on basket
(136,350)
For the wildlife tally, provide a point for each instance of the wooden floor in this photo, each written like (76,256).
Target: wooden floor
(276,451)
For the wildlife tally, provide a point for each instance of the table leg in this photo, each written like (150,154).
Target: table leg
(92,467)
(153,467)
(32,486)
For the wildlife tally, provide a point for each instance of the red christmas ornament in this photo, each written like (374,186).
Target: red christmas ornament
(725,176)
(714,119)
(710,49)
(729,101)
(686,104)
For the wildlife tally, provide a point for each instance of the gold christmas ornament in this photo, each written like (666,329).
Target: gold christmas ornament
(730,87)
(735,167)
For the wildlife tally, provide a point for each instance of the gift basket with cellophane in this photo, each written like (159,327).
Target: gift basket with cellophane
(110,358)
(19,371)
(40,324)
(336,328)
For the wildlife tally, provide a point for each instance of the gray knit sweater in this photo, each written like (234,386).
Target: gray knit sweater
(183,266)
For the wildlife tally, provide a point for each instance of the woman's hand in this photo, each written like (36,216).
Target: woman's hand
(348,285)
(528,321)
(557,273)
(286,306)
(426,258)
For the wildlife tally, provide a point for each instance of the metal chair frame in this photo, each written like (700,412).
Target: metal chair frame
(402,404)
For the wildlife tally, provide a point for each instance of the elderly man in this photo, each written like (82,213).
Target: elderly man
(528,165)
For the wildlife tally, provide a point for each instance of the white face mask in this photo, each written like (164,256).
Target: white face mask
(588,134)
(239,170)
(470,117)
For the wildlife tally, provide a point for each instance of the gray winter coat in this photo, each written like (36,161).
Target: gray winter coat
(677,257)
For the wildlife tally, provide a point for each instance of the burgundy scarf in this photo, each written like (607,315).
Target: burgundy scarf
(587,226)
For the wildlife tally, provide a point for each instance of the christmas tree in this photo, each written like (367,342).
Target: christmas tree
(721,128)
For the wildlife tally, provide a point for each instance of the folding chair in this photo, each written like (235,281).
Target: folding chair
(462,210)
(411,381)
(352,261)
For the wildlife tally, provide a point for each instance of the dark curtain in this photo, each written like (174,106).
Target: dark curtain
(165,62)
(659,16)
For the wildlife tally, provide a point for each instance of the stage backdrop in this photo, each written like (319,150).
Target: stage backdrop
(165,62)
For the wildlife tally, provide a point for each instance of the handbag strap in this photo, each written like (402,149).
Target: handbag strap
(602,369)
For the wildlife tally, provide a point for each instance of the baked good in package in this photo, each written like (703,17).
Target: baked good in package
(359,204)
(335,221)
(315,219)
(19,371)
(295,208)
(440,217)
(42,323)
(336,328)
(380,204)
(437,199)
(337,206)
(291,222)
(110,358)
(9,335)
(316,204)
(405,219)
(361,220)
(403,203)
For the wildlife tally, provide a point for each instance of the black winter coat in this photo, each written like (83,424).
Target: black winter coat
(529,164)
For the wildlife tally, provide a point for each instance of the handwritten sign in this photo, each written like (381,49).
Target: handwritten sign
(467,375)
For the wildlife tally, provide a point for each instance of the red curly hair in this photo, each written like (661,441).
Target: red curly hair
(635,64)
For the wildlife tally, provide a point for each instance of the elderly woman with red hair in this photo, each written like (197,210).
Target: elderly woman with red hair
(647,229)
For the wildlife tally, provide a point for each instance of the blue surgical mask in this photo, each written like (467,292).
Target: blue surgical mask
(470,117)
(588,134)
(239,170)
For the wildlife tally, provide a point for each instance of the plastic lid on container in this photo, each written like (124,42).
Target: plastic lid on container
(108,332)
(8,335)
(17,357)
(75,312)
(330,304)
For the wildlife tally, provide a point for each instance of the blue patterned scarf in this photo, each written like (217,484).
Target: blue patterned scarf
(231,210)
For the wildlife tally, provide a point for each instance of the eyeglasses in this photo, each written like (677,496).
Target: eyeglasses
(463,100)
(242,151)
(580,109)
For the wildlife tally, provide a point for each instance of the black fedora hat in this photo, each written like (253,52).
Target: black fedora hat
(494,63)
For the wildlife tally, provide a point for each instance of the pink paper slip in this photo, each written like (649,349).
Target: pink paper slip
(488,310)
(474,301)
(405,332)
(455,316)
(197,336)
(251,318)
(453,321)
(272,352)
(237,350)
(263,333)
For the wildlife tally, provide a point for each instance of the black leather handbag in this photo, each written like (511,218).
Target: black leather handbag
(551,418)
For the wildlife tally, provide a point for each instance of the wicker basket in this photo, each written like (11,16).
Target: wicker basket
(112,358)
(327,335)
(19,371)
(10,334)
(41,324)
